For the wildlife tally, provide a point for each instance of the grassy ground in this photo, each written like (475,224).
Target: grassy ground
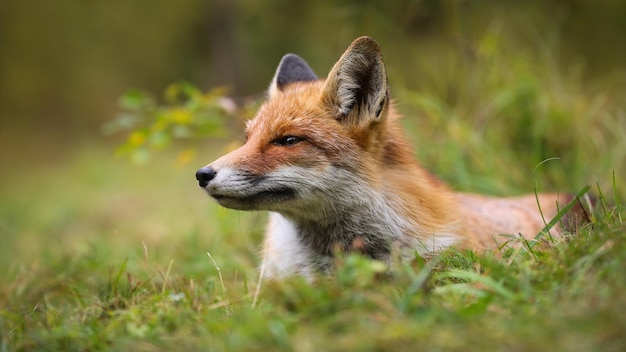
(99,254)
(119,261)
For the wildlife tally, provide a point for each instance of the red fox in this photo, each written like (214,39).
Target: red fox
(329,160)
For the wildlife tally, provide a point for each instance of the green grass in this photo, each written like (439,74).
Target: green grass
(97,254)
(119,261)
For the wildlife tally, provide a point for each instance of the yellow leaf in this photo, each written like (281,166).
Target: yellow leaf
(137,138)
(181,116)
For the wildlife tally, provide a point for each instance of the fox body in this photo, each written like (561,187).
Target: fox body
(328,159)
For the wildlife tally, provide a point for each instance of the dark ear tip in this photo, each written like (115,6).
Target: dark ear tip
(290,58)
(293,68)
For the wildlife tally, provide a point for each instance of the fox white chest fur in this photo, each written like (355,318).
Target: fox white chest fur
(329,161)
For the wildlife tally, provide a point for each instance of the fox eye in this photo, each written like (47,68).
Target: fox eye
(287,141)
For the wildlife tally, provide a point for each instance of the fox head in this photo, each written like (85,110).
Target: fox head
(316,145)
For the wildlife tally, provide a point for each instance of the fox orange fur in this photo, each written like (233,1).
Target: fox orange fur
(329,160)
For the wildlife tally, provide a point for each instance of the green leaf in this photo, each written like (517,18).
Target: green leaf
(135,100)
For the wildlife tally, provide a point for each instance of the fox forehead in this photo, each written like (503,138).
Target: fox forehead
(299,108)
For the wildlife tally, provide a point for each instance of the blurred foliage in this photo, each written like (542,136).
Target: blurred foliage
(187,114)
(511,107)
(64,63)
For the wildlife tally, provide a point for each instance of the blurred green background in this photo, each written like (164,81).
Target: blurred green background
(64,64)
(490,89)
(499,97)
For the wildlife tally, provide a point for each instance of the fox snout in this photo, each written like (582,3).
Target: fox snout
(205,175)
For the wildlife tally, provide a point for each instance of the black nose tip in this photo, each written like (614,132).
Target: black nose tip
(205,175)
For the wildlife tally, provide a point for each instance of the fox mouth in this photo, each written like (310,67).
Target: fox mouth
(262,200)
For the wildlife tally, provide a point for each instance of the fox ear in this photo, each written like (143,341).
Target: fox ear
(356,86)
(292,68)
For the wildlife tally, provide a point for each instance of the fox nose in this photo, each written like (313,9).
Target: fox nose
(205,175)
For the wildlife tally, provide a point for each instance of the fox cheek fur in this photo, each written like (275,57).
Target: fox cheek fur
(329,160)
